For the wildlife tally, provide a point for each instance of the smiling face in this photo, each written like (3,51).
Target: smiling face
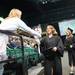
(68,32)
(50,29)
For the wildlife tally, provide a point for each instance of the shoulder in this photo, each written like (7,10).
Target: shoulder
(57,37)
(16,18)
(74,37)
(43,38)
(10,19)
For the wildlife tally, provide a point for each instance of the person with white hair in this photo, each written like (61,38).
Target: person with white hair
(12,23)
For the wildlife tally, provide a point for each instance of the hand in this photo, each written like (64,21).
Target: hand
(54,49)
(71,46)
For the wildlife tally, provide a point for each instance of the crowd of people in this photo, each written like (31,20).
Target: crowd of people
(15,42)
(51,46)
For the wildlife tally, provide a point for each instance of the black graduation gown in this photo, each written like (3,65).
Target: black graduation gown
(71,51)
(52,59)
(48,43)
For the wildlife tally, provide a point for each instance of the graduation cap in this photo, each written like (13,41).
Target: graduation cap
(70,29)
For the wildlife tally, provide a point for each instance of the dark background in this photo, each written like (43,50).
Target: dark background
(38,11)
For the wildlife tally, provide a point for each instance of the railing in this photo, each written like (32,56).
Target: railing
(24,62)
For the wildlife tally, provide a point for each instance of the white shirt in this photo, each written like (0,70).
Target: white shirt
(3,43)
(12,24)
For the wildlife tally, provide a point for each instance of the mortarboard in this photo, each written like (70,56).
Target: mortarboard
(70,29)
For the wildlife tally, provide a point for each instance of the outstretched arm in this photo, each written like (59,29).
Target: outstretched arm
(24,27)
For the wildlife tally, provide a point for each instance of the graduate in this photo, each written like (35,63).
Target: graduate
(52,48)
(70,47)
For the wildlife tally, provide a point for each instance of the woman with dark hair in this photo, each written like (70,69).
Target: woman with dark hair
(52,48)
